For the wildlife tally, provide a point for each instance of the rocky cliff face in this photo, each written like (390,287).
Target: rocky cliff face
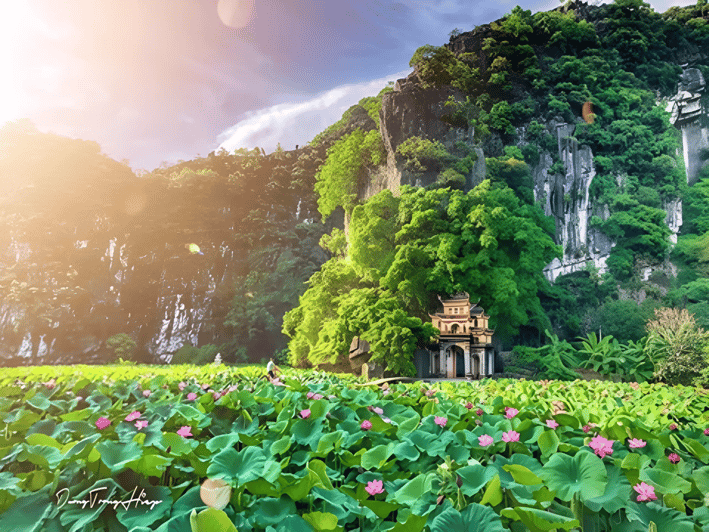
(80,265)
(411,111)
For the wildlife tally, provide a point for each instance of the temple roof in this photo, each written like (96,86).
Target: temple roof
(460,296)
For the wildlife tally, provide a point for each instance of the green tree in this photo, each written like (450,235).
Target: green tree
(338,179)
(122,346)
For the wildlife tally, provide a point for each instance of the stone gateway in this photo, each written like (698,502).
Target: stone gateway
(465,342)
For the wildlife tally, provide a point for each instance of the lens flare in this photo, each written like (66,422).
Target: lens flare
(215,493)
(235,13)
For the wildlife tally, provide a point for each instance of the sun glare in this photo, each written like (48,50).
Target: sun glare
(22,31)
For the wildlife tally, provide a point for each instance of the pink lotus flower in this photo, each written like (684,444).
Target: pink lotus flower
(51,384)
(377,410)
(440,421)
(485,440)
(601,446)
(386,420)
(468,405)
(133,416)
(182,385)
(510,412)
(552,424)
(305,414)
(185,431)
(216,396)
(673,426)
(205,386)
(646,492)
(706,432)
(102,423)
(510,436)
(317,396)
(224,392)
(141,424)
(191,396)
(674,458)
(146,393)
(309,395)
(374,487)
(366,425)
(636,444)
(430,393)
(586,428)
(277,382)
(479,411)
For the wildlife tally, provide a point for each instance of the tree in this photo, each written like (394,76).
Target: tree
(677,347)
(122,345)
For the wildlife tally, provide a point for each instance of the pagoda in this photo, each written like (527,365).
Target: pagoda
(465,340)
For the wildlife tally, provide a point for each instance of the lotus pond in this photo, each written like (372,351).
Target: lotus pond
(128,448)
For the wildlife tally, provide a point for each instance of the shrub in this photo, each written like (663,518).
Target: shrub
(677,346)
(189,354)
(122,346)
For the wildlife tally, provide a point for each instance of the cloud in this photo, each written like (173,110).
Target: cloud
(297,123)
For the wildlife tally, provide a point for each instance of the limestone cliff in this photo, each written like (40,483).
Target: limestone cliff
(410,111)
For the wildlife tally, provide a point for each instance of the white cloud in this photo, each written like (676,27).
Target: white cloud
(297,123)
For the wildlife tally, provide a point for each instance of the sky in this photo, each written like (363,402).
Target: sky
(156,81)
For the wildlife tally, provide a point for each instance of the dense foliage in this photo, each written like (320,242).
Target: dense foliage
(317,452)
(404,251)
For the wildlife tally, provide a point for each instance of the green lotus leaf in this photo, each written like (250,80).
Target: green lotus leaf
(318,468)
(522,475)
(473,518)
(46,426)
(345,507)
(150,465)
(77,415)
(414,489)
(155,503)
(321,521)
(79,515)
(697,449)
(474,477)
(270,510)
(375,457)
(540,520)
(180,446)
(307,432)
(664,518)
(189,413)
(330,441)
(405,450)
(381,508)
(41,455)
(701,478)
(116,455)
(40,402)
(293,523)
(28,513)
(211,520)
(407,425)
(243,466)
(618,491)
(281,446)
(548,442)
(584,474)
(665,481)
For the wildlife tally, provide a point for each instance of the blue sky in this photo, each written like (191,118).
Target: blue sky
(157,81)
